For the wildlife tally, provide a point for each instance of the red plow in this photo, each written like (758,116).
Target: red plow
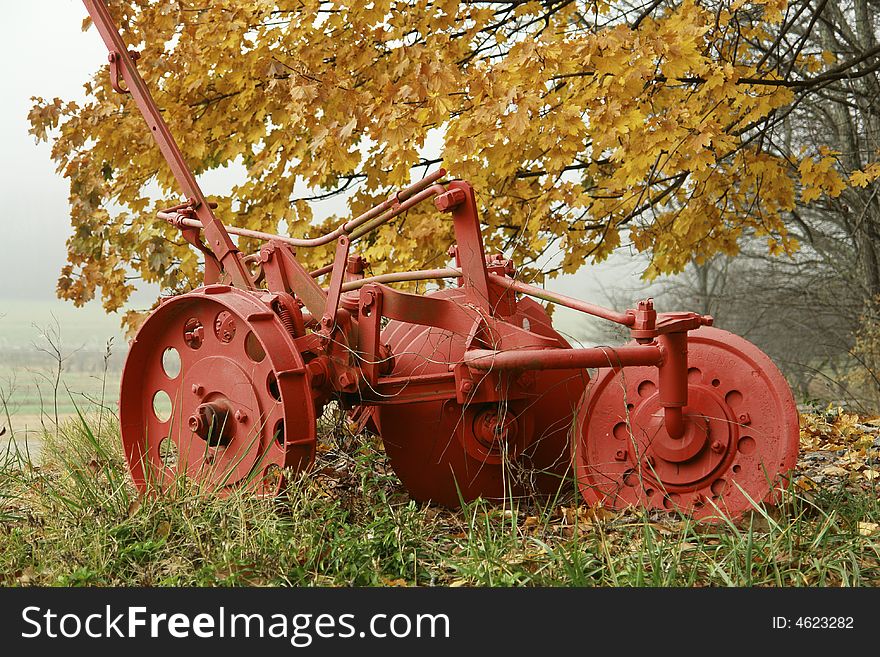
(472,391)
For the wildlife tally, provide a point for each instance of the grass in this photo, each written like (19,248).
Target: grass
(74,519)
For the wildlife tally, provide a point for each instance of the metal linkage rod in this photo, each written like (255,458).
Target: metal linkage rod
(122,65)
(627,319)
(406,196)
(317,273)
(357,227)
(563,359)
(403,276)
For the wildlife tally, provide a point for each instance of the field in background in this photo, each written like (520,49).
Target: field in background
(34,335)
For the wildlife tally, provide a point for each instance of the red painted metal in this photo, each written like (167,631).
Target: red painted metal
(357,227)
(403,277)
(534,359)
(470,255)
(337,277)
(236,365)
(472,391)
(739,439)
(626,318)
(439,447)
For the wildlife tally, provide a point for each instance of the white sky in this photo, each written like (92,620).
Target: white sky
(45,53)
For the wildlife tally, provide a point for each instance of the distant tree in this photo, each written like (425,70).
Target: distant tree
(816,311)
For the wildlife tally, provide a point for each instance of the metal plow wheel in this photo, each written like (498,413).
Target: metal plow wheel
(213,392)
(739,443)
(445,452)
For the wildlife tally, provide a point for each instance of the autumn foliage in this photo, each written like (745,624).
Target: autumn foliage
(580,124)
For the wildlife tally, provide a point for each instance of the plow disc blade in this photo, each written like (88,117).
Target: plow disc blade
(214,392)
(446,452)
(740,441)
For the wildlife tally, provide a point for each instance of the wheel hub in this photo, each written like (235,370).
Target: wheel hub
(687,461)
(493,435)
(212,423)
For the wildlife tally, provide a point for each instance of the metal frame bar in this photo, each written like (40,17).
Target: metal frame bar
(122,63)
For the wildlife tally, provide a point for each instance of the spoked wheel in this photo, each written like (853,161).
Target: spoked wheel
(213,390)
(446,452)
(741,438)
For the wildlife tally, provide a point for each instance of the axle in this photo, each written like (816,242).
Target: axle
(563,359)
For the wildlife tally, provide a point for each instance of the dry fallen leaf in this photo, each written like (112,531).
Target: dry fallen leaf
(805,483)
(868,528)
(164,529)
(531,521)
(395,582)
(27,576)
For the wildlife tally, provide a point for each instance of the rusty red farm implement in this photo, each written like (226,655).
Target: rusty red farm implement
(470,388)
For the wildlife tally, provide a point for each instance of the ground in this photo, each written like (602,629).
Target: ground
(72,518)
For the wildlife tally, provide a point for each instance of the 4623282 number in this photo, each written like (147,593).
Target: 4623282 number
(824,622)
